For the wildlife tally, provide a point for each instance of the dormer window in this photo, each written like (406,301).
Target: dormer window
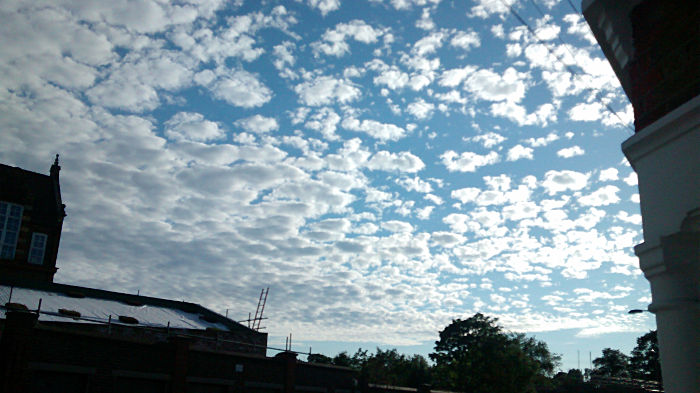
(37,249)
(10,221)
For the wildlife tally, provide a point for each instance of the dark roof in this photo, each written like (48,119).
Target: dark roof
(198,314)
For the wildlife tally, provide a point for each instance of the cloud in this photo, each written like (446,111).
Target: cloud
(334,41)
(490,86)
(488,140)
(542,141)
(631,179)
(325,6)
(420,109)
(241,88)
(428,44)
(518,152)
(455,76)
(258,124)
(603,196)
(381,131)
(465,195)
(466,40)
(400,162)
(467,161)
(572,151)
(325,121)
(325,90)
(415,184)
(558,181)
(587,112)
(189,126)
(609,174)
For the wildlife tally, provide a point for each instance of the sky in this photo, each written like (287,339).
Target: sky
(384,167)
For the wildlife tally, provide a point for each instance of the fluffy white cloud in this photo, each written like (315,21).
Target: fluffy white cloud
(325,6)
(467,161)
(542,141)
(455,76)
(325,90)
(381,131)
(491,86)
(325,121)
(603,196)
(466,40)
(402,162)
(428,44)
(518,152)
(572,151)
(609,174)
(420,109)
(631,179)
(188,126)
(488,140)
(558,181)
(334,41)
(415,184)
(258,124)
(241,88)
(466,195)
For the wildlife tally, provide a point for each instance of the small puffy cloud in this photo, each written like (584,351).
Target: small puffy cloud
(397,226)
(569,152)
(189,126)
(258,124)
(491,86)
(381,131)
(455,76)
(420,109)
(488,140)
(467,161)
(400,162)
(325,90)
(415,184)
(542,141)
(334,41)
(485,8)
(635,219)
(434,199)
(518,152)
(325,6)
(634,198)
(466,195)
(587,112)
(609,174)
(424,213)
(558,181)
(466,40)
(241,88)
(603,196)
(428,44)
(325,121)
(631,179)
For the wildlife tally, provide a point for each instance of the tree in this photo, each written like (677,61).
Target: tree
(392,368)
(613,363)
(644,363)
(476,355)
(319,358)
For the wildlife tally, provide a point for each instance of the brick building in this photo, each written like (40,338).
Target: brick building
(64,338)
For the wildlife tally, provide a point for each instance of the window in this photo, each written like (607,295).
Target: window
(10,220)
(36,251)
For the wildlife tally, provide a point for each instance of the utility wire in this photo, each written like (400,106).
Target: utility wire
(570,69)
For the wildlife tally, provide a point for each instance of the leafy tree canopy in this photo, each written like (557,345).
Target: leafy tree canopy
(644,363)
(477,355)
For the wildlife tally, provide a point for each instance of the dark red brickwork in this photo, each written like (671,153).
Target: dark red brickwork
(40,357)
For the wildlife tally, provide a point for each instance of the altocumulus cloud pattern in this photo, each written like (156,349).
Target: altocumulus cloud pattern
(383,166)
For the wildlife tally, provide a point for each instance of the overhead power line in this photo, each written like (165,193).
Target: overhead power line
(570,69)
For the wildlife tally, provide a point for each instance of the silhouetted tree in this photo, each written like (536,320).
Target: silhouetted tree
(644,363)
(612,363)
(319,358)
(476,355)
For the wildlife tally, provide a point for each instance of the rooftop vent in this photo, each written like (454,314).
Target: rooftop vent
(128,319)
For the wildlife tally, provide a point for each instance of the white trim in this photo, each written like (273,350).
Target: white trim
(3,228)
(35,236)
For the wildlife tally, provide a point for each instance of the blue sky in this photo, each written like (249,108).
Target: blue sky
(383,166)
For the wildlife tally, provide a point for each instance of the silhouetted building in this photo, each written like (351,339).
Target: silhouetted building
(65,338)
(31,217)
(654,48)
